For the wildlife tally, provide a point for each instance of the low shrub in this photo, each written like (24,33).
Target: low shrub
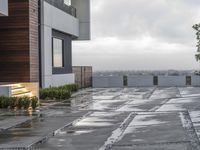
(4,102)
(34,102)
(13,102)
(18,102)
(26,102)
(58,93)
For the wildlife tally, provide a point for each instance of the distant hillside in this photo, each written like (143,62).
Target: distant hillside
(147,72)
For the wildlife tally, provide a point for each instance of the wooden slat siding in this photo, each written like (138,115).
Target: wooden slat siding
(83,76)
(19,42)
(34,57)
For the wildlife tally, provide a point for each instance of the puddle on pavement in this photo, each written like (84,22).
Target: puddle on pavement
(171,107)
(130,108)
(102,97)
(77,132)
(146,120)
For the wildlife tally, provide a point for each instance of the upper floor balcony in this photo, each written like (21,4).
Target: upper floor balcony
(60,4)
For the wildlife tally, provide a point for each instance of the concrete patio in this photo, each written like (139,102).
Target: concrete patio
(117,119)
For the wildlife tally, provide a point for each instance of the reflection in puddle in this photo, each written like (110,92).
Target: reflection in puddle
(145,120)
(130,108)
(102,97)
(106,114)
(171,107)
(94,122)
(80,132)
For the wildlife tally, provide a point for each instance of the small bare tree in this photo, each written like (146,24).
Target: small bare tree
(197,28)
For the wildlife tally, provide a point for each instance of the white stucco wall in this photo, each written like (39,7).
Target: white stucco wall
(168,81)
(140,81)
(107,81)
(5,91)
(59,20)
(58,80)
(3,7)
(53,18)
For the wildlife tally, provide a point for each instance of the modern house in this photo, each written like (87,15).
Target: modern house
(36,43)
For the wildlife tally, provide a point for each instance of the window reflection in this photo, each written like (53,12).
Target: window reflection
(57,52)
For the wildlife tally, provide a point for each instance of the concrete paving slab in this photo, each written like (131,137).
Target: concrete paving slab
(164,146)
(189,91)
(161,93)
(142,105)
(8,122)
(90,133)
(154,128)
(78,139)
(184,106)
(172,107)
(121,119)
(104,105)
(183,100)
(33,132)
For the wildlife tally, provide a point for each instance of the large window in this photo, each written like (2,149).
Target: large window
(58,53)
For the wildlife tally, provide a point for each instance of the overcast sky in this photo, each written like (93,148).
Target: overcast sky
(140,35)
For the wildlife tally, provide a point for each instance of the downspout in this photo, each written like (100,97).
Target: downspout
(39,42)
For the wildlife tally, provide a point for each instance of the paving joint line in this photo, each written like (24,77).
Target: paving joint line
(160,105)
(116,134)
(150,93)
(179,92)
(188,126)
(150,144)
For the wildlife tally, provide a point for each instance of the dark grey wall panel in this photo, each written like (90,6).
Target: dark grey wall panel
(67,53)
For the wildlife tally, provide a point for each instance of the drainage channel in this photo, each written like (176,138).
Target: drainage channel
(188,125)
(116,134)
(160,105)
(149,94)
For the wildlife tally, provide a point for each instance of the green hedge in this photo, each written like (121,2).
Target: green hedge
(18,102)
(70,87)
(58,93)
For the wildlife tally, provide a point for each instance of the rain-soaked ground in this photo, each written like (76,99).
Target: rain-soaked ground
(116,119)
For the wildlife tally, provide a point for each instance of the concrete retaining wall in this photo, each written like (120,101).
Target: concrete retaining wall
(144,81)
(195,80)
(107,81)
(171,81)
(140,81)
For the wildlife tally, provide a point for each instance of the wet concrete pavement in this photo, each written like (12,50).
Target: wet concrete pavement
(117,119)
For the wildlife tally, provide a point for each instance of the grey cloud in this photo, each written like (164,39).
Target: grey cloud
(168,23)
(169,20)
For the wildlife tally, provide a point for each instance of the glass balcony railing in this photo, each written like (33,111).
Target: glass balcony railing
(62,6)
(70,10)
